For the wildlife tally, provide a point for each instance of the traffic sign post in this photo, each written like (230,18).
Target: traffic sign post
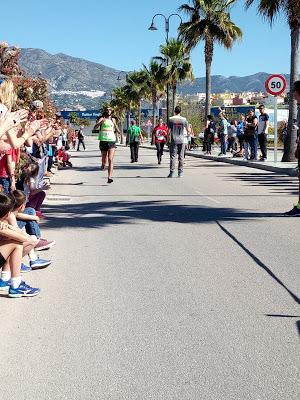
(275,85)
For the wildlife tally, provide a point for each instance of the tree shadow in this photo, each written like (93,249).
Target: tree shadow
(78,215)
(259,263)
(276,183)
(133,167)
(298,326)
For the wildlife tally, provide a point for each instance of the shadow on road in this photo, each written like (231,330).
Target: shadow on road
(275,182)
(259,262)
(99,214)
(298,326)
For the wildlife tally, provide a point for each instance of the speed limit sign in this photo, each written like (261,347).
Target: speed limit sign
(275,85)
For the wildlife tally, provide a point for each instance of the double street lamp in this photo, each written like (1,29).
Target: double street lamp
(119,75)
(167,30)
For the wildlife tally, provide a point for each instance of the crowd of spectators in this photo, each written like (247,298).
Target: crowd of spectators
(31,145)
(241,138)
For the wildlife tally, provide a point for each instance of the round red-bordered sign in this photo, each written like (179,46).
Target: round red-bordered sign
(275,84)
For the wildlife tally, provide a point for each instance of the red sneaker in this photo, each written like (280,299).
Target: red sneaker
(44,244)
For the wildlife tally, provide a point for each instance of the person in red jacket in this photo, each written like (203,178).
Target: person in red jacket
(159,138)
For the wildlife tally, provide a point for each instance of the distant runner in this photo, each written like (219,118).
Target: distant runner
(178,131)
(134,138)
(107,137)
(159,138)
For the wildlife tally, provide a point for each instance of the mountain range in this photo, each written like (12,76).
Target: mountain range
(75,81)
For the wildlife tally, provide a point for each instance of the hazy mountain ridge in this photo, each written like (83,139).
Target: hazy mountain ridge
(70,74)
(221,84)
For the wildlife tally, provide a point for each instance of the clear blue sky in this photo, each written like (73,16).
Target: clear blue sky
(115,33)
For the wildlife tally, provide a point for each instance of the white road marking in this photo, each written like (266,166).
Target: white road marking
(208,198)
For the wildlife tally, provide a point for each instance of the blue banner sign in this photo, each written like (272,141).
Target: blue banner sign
(90,114)
(94,114)
(232,110)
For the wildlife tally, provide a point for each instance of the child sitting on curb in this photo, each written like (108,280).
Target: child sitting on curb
(13,244)
(20,201)
(63,156)
(27,218)
(35,196)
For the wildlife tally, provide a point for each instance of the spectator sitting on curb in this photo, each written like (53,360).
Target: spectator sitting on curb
(13,244)
(27,218)
(63,156)
(19,205)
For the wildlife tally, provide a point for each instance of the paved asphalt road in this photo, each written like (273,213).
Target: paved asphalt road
(160,288)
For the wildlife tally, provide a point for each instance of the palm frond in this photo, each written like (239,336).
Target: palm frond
(269,9)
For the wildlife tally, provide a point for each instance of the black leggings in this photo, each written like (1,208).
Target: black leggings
(50,163)
(208,142)
(160,149)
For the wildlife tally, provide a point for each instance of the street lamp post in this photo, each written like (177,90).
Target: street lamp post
(152,27)
(119,75)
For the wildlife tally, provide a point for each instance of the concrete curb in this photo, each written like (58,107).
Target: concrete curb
(290,170)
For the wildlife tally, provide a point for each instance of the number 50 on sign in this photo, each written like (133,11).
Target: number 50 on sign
(275,85)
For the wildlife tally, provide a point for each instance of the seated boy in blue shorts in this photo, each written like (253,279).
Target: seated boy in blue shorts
(27,218)
(13,245)
(20,201)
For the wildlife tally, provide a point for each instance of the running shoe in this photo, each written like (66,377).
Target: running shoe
(293,212)
(4,285)
(109,180)
(180,174)
(25,268)
(39,263)
(171,175)
(23,290)
(44,244)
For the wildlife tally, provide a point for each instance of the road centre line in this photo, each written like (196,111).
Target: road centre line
(208,198)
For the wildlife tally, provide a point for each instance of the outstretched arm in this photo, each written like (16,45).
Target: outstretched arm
(98,123)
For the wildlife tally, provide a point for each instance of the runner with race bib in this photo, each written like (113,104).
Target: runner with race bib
(107,138)
(159,138)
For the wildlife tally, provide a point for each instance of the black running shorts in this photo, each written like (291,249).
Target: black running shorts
(105,146)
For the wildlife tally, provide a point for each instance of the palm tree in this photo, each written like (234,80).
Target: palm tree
(120,104)
(136,89)
(209,21)
(156,79)
(179,66)
(291,9)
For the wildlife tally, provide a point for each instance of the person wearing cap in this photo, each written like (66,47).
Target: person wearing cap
(262,130)
(134,138)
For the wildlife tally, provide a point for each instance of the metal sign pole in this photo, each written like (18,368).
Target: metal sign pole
(275,130)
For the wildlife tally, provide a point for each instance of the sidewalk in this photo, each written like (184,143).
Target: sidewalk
(279,167)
